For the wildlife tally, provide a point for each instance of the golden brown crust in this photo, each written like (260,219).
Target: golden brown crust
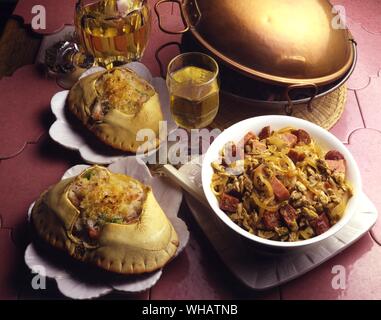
(118,127)
(143,246)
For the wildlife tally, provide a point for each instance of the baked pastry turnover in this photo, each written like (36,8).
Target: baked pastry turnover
(115,104)
(109,220)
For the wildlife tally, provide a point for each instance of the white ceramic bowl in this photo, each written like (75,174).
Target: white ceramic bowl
(325,139)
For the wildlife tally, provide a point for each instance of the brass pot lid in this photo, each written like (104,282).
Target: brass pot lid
(280,41)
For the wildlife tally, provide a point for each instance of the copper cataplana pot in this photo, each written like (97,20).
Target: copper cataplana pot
(297,44)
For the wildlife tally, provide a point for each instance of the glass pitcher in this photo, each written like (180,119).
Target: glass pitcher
(114,32)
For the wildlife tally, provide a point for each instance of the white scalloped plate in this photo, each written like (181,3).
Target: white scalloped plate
(259,269)
(76,137)
(76,283)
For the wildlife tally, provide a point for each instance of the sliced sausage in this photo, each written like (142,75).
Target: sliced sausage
(296,156)
(290,139)
(334,155)
(271,219)
(265,133)
(280,191)
(336,165)
(232,153)
(302,136)
(234,150)
(228,203)
(289,215)
(321,224)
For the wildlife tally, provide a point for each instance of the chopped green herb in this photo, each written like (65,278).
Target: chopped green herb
(88,175)
(113,219)
(116,220)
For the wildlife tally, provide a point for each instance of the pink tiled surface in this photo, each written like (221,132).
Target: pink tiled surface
(367,13)
(362,264)
(350,120)
(10,254)
(365,146)
(30,162)
(58,13)
(369,63)
(370,101)
(22,122)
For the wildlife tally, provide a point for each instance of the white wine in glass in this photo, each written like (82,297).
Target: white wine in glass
(114,32)
(194,90)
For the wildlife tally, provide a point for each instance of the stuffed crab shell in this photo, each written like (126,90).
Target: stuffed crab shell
(116,104)
(109,220)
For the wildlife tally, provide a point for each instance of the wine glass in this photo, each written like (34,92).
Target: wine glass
(193,85)
(114,32)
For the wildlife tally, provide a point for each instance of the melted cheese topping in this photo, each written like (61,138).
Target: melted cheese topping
(102,198)
(123,90)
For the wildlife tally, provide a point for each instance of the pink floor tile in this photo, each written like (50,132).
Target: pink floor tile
(370,103)
(25,108)
(9,261)
(199,274)
(369,62)
(351,119)
(29,174)
(367,13)
(365,147)
(58,13)
(361,262)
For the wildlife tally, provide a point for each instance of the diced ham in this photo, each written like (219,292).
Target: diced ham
(334,155)
(259,146)
(93,233)
(296,156)
(309,195)
(321,224)
(252,139)
(249,136)
(336,165)
(265,133)
(328,185)
(290,139)
(228,203)
(271,219)
(302,136)
(289,215)
(280,191)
